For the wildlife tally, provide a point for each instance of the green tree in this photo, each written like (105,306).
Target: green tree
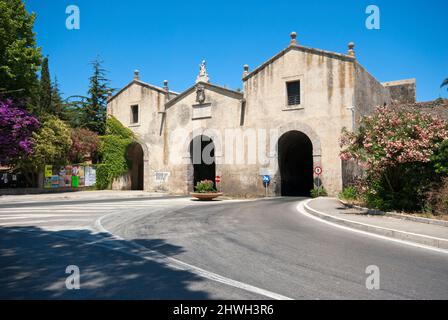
(85,145)
(57,104)
(444,83)
(45,89)
(20,57)
(95,104)
(51,145)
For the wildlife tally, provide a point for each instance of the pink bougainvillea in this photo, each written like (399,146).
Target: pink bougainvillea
(16,128)
(84,145)
(390,137)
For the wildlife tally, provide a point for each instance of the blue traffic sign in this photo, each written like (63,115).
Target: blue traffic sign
(266,179)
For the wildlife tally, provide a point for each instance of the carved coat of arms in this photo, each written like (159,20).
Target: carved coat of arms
(200,94)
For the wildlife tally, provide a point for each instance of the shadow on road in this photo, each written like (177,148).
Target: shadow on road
(33,263)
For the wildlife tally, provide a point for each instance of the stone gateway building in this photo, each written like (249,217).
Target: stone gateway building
(286,121)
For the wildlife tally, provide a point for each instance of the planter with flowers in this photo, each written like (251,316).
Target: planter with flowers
(205,191)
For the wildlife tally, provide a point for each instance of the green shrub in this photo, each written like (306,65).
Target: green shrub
(322,192)
(440,158)
(403,153)
(205,186)
(402,187)
(349,193)
(113,152)
(115,128)
(104,177)
(437,199)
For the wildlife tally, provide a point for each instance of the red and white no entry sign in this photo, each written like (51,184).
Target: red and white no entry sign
(318,170)
(218,179)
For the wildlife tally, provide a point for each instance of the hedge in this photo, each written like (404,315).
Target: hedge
(113,152)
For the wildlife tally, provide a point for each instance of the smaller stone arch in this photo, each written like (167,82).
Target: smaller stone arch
(144,147)
(202,168)
(138,153)
(135,154)
(306,129)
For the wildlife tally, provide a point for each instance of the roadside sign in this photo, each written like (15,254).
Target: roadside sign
(318,170)
(266,180)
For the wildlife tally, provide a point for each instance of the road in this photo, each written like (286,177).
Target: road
(176,248)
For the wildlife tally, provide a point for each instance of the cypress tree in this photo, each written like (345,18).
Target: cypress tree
(94,108)
(45,89)
(57,105)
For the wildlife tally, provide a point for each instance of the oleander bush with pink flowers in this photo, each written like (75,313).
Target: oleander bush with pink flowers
(400,151)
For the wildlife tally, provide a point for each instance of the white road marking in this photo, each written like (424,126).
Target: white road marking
(175,263)
(35,215)
(301,209)
(32,222)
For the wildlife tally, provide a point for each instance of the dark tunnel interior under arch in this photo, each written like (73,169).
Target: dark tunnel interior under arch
(295,159)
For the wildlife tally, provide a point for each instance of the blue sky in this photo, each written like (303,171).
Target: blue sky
(168,39)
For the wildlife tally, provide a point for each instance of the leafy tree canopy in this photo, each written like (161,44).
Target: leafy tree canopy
(95,105)
(20,58)
(85,144)
(52,143)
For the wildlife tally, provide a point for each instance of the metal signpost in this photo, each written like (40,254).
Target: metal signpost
(217,180)
(266,180)
(318,172)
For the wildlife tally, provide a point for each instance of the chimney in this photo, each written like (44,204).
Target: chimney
(246,70)
(293,36)
(136,74)
(351,51)
(167,90)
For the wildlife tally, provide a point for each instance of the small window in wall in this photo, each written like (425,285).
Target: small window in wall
(293,92)
(134,114)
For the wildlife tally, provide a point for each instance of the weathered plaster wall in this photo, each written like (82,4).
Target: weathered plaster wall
(330,85)
(369,93)
(327,87)
(402,91)
(147,130)
(180,128)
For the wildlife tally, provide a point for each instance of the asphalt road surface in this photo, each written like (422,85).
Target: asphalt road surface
(176,248)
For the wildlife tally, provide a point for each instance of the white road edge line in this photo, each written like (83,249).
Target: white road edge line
(175,263)
(301,208)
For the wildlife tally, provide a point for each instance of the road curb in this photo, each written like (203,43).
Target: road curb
(81,201)
(391,233)
(396,215)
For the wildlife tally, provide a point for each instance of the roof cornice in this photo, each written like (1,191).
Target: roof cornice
(330,54)
(229,92)
(143,84)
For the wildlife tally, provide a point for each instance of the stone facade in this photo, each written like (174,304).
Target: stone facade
(246,127)
(402,91)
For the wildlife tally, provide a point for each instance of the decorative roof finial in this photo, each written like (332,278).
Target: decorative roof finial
(293,36)
(246,70)
(136,73)
(203,76)
(351,51)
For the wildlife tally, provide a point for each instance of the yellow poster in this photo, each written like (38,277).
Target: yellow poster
(48,171)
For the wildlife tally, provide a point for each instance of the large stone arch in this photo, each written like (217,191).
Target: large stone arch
(316,147)
(306,129)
